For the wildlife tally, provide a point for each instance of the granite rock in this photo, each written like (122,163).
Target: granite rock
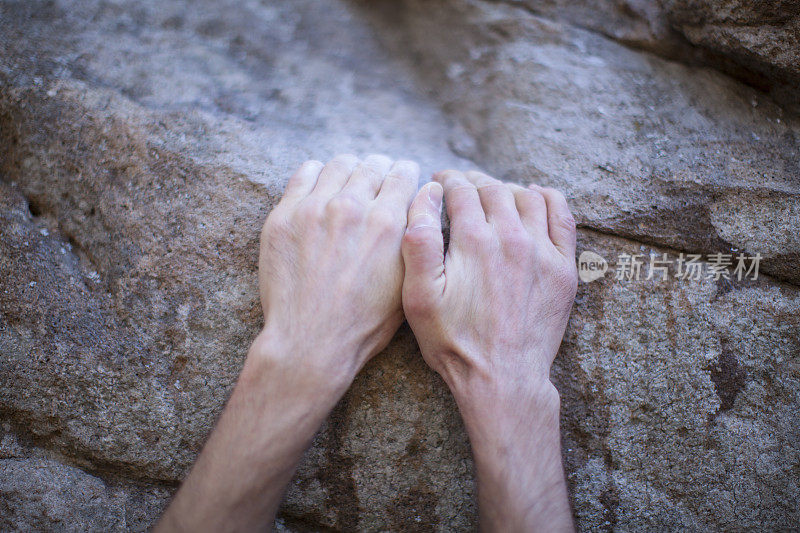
(673,155)
(143,144)
(756,42)
(759,41)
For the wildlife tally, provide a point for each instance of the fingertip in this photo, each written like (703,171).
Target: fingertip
(340,166)
(561,223)
(406,167)
(346,161)
(426,209)
(558,195)
(435,194)
(379,162)
(308,169)
(399,185)
(442,175)
(477,178)
(303,180)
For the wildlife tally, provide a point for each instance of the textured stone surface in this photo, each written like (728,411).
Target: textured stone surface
(680,401)
(762,38)
(39,493)
(668,154)
(757,42)
(143,144)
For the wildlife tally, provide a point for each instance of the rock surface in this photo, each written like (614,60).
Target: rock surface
(757,42)
(144,143)
(40,493)
(761,38)
(664,153)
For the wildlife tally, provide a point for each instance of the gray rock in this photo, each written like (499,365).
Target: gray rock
(679,400)
(38,493)
(759,41)
(648,149)
(756,42)
(144,143)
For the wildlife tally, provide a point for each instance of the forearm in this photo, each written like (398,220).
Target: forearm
(239,478)
(514,434)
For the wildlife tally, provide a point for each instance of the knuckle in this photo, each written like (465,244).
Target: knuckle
(494,189)
(565,221)
(277,224)
(419,241)
(537,198)
(561,214)
(416,237)
(405,167)
(344,208)
(384,220)
(402,172)
(277,219)
(475,235)
(452,175)
(460,189)
(517,243)
(342,163)
(394,175)
(309,211)
(515,236)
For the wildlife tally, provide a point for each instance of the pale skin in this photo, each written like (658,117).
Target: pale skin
(352,249)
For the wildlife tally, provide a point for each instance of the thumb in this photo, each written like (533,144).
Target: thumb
(423,244)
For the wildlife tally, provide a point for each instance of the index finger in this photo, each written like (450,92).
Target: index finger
(463,202)
(400,184)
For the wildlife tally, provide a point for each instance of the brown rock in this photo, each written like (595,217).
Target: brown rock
(143,144)
(762,39)
(648,149)
(38,493)
(756,42)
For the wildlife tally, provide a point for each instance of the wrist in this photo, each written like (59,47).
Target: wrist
(498,408)
(497,387)
(513,428)
(268,422)
(304,364)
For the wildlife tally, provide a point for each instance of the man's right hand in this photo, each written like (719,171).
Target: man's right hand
(489,317)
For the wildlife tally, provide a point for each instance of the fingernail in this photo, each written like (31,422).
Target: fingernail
(534,186)
(430,217)
(435,193)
